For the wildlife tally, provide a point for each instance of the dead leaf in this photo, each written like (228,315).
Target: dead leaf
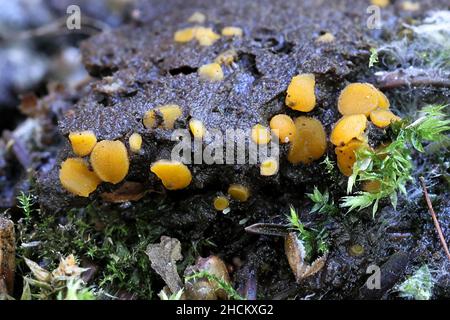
(129,191)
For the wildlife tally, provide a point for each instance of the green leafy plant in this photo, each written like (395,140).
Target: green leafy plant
(373,59)
(322,202)
(26,203)
(174,296)
(329,165)
(224,285)
(391,166)
(314,241)
(418,286)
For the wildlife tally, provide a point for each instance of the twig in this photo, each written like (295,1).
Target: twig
(7,255)
(435,220)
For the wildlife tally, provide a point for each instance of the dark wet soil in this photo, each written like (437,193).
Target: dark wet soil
(150,69)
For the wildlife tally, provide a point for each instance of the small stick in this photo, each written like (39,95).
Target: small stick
(7,254)
(435,220)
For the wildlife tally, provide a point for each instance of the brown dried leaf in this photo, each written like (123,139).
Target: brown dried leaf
(129,191)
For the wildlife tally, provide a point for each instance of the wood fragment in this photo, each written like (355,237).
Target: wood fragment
(268,229)
(435,220)
(7,254)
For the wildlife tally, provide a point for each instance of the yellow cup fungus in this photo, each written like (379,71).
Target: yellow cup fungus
(173,174)
(283,127)
(348,128)
(184,35)
(204,36)
(410,6)
(383,102)
(197,128)
(372,186)
(197,17)
(170,113)
(327,37)
(309,143)
(346,156)
(380,3)
(109,159)
(269,167)
(82,142)
(76,177)
(135,141)
(211,72)
(239,192)
(300,93)
(358,98)
(227,57)
(356,250)
(382,118)
(221,203)
(260,134)
(232,32)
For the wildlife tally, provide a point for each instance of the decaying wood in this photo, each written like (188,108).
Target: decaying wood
(7,255)
(433,216)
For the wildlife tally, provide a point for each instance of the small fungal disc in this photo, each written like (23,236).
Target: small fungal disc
(170,113)
(76,177)
(221,203)
(82,142)
(356,250)
(232,32)
(300,93)
(346,156)
(269,167)
(109,159)
(211,72)
(348,128)
(383,118)
(226,57)
(173,174)
(371,186)
(327,37)
(135,142)
(197,17)
(358,98)
(239,192)
(205,36)
(380,3)
(185,35)
(283,127)
(260,134)
(197,128)
(309,143)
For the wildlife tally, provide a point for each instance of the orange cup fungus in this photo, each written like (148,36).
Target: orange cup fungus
(300,93)
(76,177)
(283,127)
(173,174)
(239,192)
(82,142)
(260,134)
(211,72)
(221,203)
(348,128)
(197,128)
(204,36)
(383,118)
(269,167)
(169,113)
(232,32)
(361,98)
(109,159)
(309,143)
(135,141)
(346,156)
